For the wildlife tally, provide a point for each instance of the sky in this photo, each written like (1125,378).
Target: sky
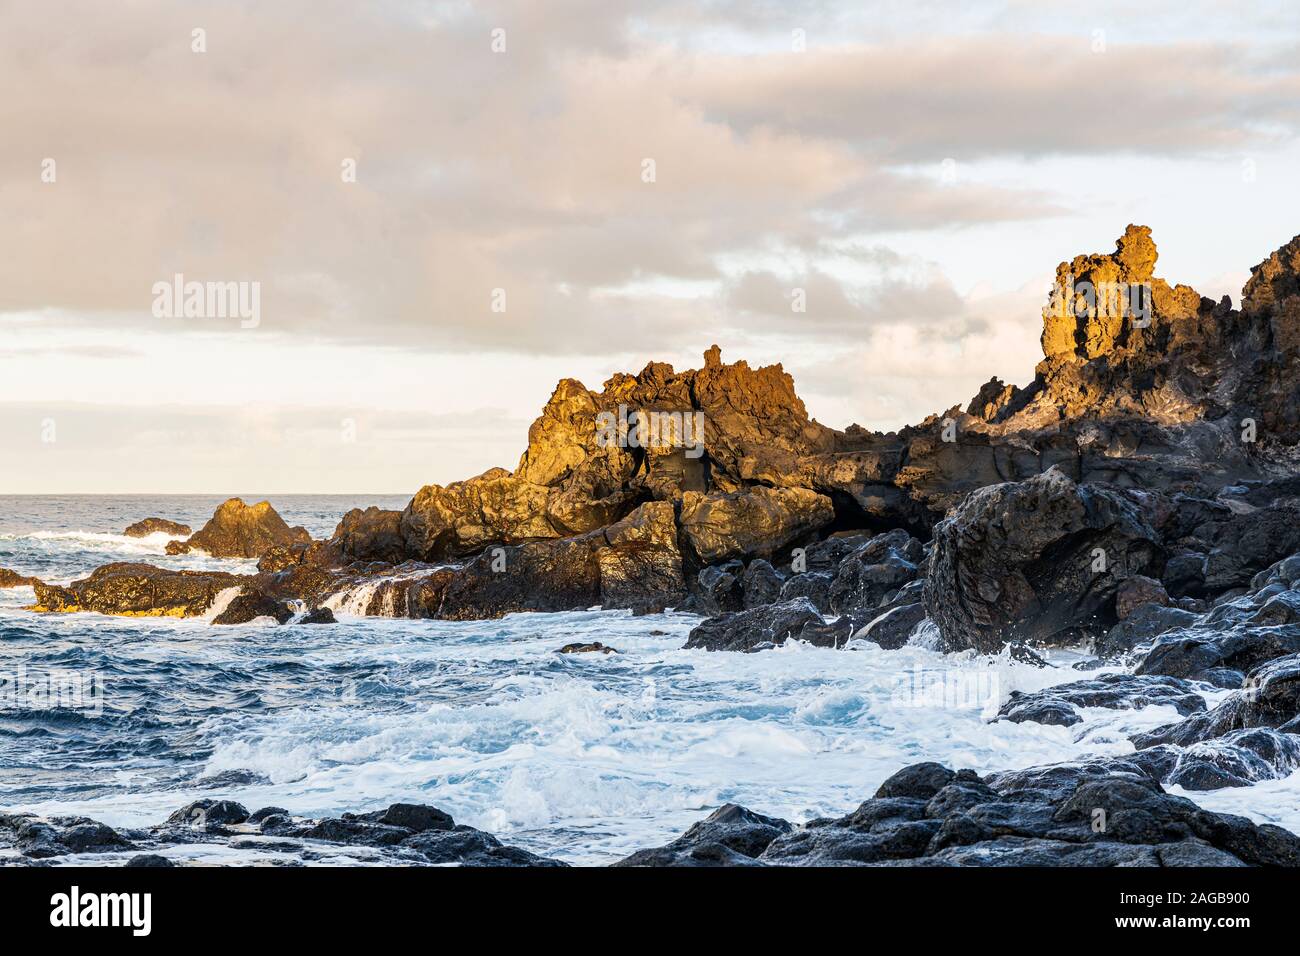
(447,207)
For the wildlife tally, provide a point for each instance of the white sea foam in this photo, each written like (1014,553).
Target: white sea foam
(222,601)
(591,756)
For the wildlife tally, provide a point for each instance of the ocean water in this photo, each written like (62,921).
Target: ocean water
(582,757)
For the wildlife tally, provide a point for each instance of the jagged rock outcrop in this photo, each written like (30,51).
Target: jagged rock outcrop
(142,529)
(866,576)
(1039,560)
(238,530)
(139,590)
(1166,424)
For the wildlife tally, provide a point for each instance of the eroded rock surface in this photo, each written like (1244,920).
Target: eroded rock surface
(239,530)
(138,590)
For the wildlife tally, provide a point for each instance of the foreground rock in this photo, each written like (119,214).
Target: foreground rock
(238,530)
(1101,813)
(1040,561)
(404,834)
(730,836)
(142,529)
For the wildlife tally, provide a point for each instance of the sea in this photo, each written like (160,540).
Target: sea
(583,757)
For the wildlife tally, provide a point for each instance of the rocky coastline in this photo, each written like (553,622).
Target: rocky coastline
(1139,499)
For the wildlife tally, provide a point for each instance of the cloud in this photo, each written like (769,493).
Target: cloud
(476,171)
(1007,94)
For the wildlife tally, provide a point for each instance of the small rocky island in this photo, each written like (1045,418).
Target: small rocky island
(1138,499)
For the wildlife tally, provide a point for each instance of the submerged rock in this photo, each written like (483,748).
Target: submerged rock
(1237,759)
(1270,698)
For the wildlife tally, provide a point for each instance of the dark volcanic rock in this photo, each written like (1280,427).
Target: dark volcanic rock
(238,530)
(142,529)
(1137,592)
(761,584)
(1237,759)
(1058,705)
(882,565)
(320,615)
(251,605)
(1036,561)
(371,535)
(919,781)
(1142,625)
(593,648)
(1270,698)
(466,846)
(1244,545)
(1099,813)
(205,812)
(755,629)
(413,816)
(633,563)
(639,562)
(813,585)
(891,629)
(540,576)
(138,589)
(730,836)
(1196,653)
(720,589)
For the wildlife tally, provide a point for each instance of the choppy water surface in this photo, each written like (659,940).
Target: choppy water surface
(583,757)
